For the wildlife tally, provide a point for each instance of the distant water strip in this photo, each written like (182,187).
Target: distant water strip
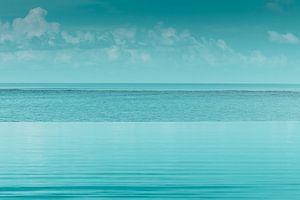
(151,86)
(148,103)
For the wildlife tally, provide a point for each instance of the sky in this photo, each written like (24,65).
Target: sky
(150,41)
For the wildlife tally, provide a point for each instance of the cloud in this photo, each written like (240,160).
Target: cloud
(79,37)
(123,35)
(33,25)
(168,35)
(278,6)
(139,56)
(180,47)
(33,39)
(223,45)
(5,33)
(287,38)
(113,53)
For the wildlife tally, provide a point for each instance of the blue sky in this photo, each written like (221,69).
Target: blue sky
(191,41)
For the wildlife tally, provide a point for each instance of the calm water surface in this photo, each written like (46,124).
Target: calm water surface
(148,102)
(204,160)
(149,141)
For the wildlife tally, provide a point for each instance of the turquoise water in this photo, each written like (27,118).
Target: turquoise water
(151,86)
(149,141)
(203,160)
(148,102)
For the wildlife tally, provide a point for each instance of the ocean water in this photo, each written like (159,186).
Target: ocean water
(145,141)
(202,160)
(148,102)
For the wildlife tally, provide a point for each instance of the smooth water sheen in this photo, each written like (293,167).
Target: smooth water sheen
(206,160)
(148,102)
(149,141)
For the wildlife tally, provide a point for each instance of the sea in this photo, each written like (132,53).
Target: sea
(150,141)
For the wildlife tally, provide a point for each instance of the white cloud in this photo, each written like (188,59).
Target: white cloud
(113,53)
(139,56)
(222,44)
(287,38)
(121,36)
(5,34)
(24,55)
(257,57)
(79,37)
(34,39)
(20,32)
(69,38)
(275,7)
(169,35)
(172,45)
(34,24)
(145,57)
(278,6)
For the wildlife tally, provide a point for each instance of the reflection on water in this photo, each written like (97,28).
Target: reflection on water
(238,160)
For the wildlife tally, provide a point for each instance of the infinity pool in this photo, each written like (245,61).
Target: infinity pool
(202,160)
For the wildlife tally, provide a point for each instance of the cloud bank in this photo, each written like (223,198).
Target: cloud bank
(287,38)
(35,41)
